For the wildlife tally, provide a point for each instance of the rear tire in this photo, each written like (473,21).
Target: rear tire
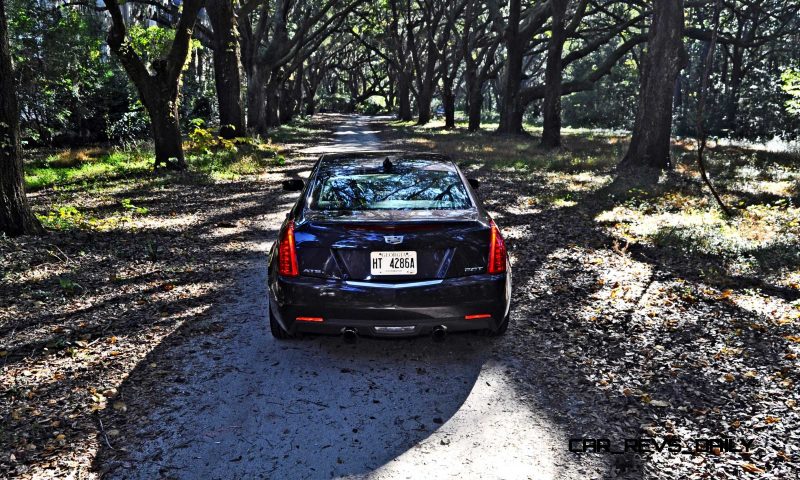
(503,328)
(275,328)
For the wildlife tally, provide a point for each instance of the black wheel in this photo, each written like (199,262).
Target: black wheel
(501,330)
(275,327)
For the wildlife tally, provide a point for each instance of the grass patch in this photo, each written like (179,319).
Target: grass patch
(206,154)
(72,167)
(581,152)
(301,130)
(222,159)
(69,217)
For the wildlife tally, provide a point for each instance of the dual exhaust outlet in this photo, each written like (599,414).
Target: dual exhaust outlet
(438,334)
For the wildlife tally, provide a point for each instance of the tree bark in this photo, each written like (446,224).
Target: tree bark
(16,217)
(474,107)
(404,97)
(649,150)
(227,67)
(166,129)
(733,88)
(551,110)
(311,84)
(511,111)
(257,100)
(424,100)
(273,96)
(449,101)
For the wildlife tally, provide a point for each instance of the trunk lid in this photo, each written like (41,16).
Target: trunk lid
(448,243)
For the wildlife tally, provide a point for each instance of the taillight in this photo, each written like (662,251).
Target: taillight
(287,256)
(497,251)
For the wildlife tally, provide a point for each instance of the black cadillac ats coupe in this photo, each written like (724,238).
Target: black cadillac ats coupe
(388,244)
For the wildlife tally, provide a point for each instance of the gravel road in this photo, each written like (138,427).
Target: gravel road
(249,406)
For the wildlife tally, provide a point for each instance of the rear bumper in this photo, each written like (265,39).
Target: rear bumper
(368,306)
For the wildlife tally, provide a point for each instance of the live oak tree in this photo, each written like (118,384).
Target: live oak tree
(523,60)
(277,37)
(523,31)
(517,30)
(427,46)
(479,44)
(649,150)
(227,67)
(158,84)
(451,54)
(16,217)
(398,45)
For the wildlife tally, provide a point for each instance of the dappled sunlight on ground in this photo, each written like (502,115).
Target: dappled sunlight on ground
(136,260)
(651,313)
(635,313)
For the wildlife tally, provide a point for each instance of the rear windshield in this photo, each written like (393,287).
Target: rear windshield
(414,186)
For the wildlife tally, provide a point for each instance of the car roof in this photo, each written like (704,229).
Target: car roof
(368,160)
(392,154)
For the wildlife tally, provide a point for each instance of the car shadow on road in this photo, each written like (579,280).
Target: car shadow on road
(248,405)
(235,403)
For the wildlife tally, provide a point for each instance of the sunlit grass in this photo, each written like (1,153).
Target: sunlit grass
(76,167)
(761,239)
(580,152)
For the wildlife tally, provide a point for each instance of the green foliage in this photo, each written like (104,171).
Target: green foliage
(62,217)
(127,204)
(56,171)
(66,85)
(202,139)
(791,85)
(150,43)
(128,127)
(69,217)
(69,286)
(372,106)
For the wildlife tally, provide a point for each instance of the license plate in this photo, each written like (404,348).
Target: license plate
(393,263)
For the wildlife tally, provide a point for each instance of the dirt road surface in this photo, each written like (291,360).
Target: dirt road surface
(248,406)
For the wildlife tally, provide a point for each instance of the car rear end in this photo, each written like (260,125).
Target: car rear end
(389,270)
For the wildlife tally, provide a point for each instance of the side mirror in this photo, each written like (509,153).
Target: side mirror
(474,183)
(293,185)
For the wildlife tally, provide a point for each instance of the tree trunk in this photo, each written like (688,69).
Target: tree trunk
(16,217)
(272,107)
(404,96)
(166,130)
(474,95)
(475,104)
(310,96)
(733,88)
(424,105)
(227,67)
(257,100)
(511,110)
(551,110)
(449,101)
(649,151)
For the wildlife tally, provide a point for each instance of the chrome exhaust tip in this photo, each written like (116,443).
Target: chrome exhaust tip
(350,334)
(439,333)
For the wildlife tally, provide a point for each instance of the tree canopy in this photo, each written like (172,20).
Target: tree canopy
(504,60)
